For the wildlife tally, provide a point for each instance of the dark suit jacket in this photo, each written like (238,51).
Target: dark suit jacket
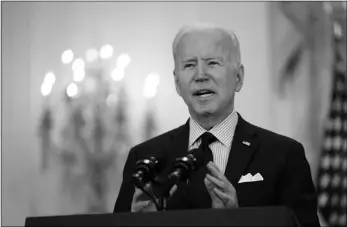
(280,160)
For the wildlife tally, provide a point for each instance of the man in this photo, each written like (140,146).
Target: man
(208,72)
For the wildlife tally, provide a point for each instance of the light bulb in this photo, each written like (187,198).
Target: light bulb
(123,60)
(46,89)
(152,79)
(78,65)
(78,75)
(106,51)
(149,91)
(337,30)
(72,90)
(49,78)
(67,56)
(117,74)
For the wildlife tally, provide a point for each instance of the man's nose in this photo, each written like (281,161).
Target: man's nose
(201,73)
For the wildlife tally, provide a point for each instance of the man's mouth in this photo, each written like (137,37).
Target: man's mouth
(205,93)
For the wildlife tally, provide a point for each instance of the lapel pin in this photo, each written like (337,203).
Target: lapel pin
(246,143)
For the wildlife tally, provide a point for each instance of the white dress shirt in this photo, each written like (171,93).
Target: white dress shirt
(223,131)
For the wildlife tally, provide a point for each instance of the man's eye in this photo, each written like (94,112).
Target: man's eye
(189,66)
(213,63)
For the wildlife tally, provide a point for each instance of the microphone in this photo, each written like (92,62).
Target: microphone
(146,171)
(183,168)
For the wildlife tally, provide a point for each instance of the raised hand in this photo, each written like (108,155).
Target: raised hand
(222,192)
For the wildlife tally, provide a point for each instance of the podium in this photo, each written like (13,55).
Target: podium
(246,216)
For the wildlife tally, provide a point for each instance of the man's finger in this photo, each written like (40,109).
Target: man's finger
(139,205)
(228,200)
(214,166)
(137,194)
(221,195)
(140,195)
(148,187)
(173,189)
(218,183)
(209,185)
(215,171)
(216,201)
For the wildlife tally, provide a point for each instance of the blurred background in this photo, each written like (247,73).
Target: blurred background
(83,82)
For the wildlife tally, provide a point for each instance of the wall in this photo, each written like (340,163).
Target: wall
(19,149)
(300,109)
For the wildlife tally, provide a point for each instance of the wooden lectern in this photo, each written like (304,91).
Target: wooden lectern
(247,216)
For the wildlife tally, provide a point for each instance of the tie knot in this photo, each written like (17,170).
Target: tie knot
(207,138)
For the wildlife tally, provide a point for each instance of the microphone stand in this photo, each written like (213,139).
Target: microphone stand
(163,196)
(162,203)
(163,200)
(183,168)
(165,193)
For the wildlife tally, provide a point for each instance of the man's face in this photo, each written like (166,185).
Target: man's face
(205,76)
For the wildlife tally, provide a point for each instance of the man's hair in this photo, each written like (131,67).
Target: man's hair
(203,27)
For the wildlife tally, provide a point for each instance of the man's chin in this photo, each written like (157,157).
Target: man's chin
(203,112)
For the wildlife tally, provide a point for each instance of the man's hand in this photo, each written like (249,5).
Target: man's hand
(142,202)
(222,192)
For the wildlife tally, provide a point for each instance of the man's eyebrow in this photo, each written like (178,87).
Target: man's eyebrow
(213,58)
(189,59)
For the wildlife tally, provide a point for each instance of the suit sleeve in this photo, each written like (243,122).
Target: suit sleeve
(126,192)
(296,189)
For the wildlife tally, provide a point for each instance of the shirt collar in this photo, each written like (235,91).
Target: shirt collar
(223,131)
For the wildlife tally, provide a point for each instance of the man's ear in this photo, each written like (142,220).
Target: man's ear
(239,78)
(176,83)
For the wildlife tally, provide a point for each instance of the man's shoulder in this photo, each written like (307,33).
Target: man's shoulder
(268,136)
(160,140)
(275,143)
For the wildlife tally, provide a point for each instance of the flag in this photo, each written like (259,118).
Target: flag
(331,179)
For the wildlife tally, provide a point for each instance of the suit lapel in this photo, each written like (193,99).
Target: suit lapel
(178,145)
(241,153)
(193,194)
